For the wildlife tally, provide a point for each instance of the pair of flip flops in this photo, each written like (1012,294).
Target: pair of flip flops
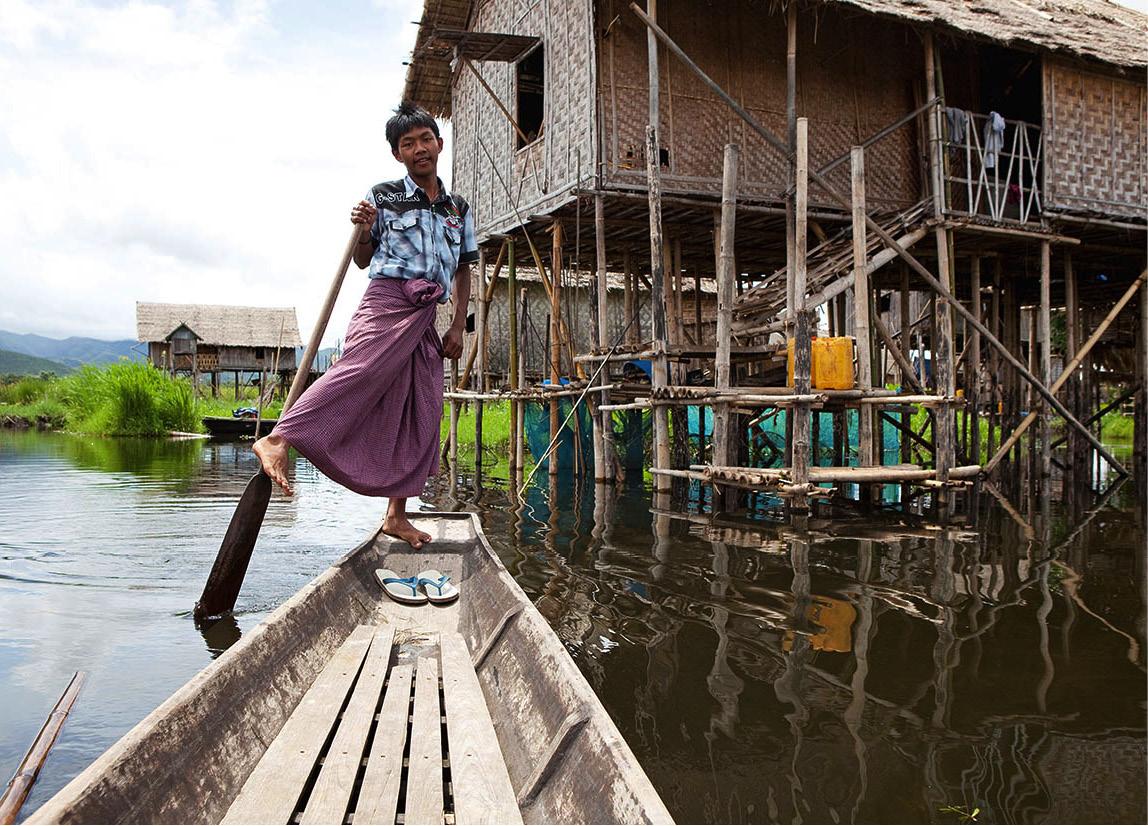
(428,586)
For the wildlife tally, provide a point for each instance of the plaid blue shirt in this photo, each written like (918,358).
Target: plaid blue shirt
(414,238)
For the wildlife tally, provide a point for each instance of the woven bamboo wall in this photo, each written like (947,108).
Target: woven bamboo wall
(1095,141)
(539,176)
(855,76)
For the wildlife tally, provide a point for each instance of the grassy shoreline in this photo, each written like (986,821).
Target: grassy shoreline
(135,399)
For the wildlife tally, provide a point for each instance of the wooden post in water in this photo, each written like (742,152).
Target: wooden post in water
(555,340)
(605,451)
(973,366)
(942,344)
(480,383)
(861,315)
(906,345)
(803,329)
(722,441)
(657,261)
(1045,357)
(512,312)
(1072,343)
(519,423)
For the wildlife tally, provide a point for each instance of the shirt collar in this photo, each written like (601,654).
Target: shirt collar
(412,188)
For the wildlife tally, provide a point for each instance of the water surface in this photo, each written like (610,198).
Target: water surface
(869,668)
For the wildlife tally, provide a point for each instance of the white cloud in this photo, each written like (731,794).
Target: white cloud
(199,152)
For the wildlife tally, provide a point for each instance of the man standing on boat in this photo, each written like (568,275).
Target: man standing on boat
(371,422)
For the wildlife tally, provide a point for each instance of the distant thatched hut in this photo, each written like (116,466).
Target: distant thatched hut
(214,339)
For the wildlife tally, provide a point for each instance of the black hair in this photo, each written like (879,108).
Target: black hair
(408,116)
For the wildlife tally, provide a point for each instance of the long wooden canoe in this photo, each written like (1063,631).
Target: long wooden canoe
(343,706)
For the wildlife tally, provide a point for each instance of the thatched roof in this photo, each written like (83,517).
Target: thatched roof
(220,325)
(1093,29)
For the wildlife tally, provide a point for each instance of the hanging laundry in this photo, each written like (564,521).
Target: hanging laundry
(958,122)
(994,139)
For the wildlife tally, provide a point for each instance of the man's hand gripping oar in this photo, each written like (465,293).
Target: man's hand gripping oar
(222,588)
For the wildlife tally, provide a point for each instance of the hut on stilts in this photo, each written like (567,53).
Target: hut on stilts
(924,224)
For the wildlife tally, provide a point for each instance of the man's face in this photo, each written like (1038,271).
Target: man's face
(418,151)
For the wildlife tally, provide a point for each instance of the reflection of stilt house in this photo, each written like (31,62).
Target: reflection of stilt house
(209,338)
(918,177)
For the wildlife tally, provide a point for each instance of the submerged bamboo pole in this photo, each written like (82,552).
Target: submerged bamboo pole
(21,783)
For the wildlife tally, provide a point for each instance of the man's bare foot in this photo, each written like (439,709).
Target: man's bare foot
(272,451)
(400,527)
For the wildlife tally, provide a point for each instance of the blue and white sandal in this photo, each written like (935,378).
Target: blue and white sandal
(400,589)
(436,586)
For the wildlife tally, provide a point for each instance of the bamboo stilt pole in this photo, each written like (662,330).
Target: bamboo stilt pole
(603,423)
(721,436)
(479,336)
(973,366)
(1045,355)
(805,319)
(1072,344)
(512,313)
(861,307)
(555,338)
(520,411)
(905,365)
(657,261)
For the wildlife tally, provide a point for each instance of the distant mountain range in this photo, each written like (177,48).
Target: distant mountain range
(24,365)
(72,351)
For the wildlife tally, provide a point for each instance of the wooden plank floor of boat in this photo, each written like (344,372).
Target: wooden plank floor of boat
(394,729)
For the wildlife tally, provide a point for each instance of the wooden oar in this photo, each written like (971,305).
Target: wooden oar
(222,588)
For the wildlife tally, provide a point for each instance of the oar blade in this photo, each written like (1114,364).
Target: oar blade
(222,588)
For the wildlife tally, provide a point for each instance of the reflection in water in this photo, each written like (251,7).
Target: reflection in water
(861,669)
(846,671)
(219,634)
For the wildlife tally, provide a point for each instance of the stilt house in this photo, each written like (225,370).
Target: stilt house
(214,339)
(997,147)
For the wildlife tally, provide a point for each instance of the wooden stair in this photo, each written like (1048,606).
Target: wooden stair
(825,263)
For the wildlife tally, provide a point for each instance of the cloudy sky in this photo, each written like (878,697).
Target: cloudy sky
(194,151)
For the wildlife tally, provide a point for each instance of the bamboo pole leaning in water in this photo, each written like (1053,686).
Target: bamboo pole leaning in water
(21,783)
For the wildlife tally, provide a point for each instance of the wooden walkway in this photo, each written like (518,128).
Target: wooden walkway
(395,729)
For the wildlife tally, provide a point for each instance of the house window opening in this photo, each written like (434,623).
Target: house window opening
(531,83)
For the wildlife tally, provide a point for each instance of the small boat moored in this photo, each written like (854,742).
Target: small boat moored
(236,426)
(308,717)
